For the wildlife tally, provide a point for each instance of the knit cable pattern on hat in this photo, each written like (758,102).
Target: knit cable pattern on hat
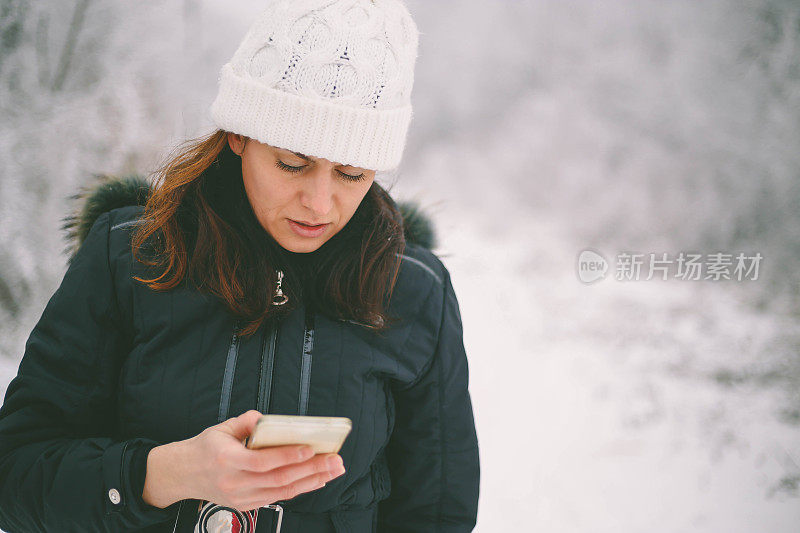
(330,79)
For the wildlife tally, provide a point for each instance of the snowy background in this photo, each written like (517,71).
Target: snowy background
(541,129)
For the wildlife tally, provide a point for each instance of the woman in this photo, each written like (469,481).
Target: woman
(265,272)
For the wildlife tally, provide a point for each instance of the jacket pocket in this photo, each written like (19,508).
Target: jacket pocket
(379,472)
(389,408)
(227,378)
(381,480)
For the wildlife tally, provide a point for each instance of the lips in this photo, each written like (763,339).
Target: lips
(307,224)
(304,230)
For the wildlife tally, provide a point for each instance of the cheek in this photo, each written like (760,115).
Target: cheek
(265,190)
(354,196)
(363,190)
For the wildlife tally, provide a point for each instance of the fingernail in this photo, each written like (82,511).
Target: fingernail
(306,452)
(334,462)
(338,471)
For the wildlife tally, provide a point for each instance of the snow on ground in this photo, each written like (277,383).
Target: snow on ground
(595,406)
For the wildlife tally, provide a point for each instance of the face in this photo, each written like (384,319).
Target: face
(287,189)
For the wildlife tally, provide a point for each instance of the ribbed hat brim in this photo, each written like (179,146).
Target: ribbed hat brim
(368,138)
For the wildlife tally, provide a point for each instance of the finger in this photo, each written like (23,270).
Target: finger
(327,466)
(265,459)
(287,492)
(242,426)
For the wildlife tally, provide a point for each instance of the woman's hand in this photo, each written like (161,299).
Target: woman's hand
(216,466)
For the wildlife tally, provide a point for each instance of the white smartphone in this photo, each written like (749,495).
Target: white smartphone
(325,434)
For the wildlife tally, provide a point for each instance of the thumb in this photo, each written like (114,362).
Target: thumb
(242,426)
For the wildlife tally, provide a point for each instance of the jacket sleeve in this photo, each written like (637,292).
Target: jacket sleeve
(60,469)
(432,453)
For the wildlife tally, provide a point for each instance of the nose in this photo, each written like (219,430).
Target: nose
(317,191)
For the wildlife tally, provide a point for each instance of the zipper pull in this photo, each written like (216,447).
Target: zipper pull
(279,298)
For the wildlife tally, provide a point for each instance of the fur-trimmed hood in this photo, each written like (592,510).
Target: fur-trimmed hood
(111,192)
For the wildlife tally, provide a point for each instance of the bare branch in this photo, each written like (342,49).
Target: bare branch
(69,46)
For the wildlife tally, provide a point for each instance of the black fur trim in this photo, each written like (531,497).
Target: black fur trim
(107,193)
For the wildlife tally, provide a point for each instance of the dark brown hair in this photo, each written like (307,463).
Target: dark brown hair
(205,232)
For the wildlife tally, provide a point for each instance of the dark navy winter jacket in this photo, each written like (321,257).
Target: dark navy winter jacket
(113,368)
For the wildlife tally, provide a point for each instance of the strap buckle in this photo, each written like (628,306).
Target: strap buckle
(279,509)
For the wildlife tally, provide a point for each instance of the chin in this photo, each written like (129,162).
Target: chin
(303,247)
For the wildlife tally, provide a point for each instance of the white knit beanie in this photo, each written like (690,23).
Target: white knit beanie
(325,78)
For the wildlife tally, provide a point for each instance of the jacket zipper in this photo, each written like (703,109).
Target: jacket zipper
(305,369)
(265,390)
(230,371)
(267,366)
(268,353)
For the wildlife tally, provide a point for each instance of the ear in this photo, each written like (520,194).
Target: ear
(236,142)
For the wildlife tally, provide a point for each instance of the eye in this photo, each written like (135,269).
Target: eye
(283,166)
(350,177)
(289,168)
